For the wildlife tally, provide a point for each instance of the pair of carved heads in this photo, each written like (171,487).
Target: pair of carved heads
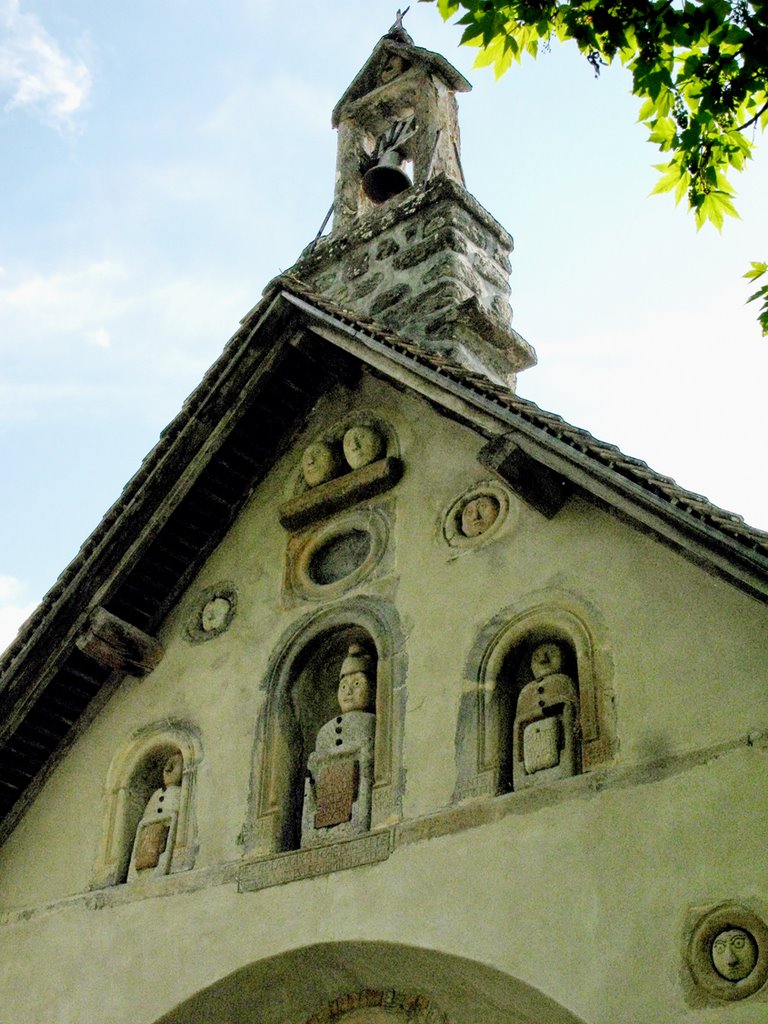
(321,462)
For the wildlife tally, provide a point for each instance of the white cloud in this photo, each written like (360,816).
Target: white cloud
(100,338)
(67,300)
(14,608)
(35,73)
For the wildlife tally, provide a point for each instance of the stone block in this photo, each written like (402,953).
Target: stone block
(448,238)
(390,298)
(366,285)
(386,248)
(357,264)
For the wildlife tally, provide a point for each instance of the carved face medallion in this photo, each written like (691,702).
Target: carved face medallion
(354,693)
(478,515)
(214,614)
(546,660)
(173,769)
(318,463)
(362,445)
(734,954)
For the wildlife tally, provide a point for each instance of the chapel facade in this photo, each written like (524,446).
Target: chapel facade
(382,695)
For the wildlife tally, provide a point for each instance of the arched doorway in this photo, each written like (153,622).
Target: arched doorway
(368,983)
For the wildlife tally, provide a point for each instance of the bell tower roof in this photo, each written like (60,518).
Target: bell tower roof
(409,246)
(396,45)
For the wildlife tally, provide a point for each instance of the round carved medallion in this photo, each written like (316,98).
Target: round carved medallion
(212,613)
(728,952)
(478,514)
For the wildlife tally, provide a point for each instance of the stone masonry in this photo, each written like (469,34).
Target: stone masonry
(433,265)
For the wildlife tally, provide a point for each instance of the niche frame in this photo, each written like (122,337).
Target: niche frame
(114,852)
(269,808)
(556,615)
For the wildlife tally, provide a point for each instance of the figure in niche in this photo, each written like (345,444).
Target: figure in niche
(156,832)
(319,463)
(337,788)
(362,445)
(545,736)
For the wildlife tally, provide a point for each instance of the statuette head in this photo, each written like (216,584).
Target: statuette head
(362,445)
(214,614)
(734,954)
(546,660)
(318,463)
(478,515)
(356,691)
(173,770)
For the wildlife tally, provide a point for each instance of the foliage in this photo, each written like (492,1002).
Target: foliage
(700,68)
(758,270)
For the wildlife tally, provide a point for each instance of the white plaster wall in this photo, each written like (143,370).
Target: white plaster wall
(584,900)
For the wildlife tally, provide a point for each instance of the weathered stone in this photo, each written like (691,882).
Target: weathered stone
(366,285)
(330,497)
(357,265)
(447,238)
(317,860)
(452,267)
(389,247)
(390,298)
(491,272)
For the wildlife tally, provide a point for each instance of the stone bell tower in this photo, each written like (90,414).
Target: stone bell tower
(410,247)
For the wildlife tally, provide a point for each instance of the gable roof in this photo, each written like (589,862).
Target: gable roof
(366,80)
(249,406)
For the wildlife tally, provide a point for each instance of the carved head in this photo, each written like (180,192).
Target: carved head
(546,660)
(362,445)
(214,614)
(478,515)
(734,954)
(318,463)
(356,691)
(173,770)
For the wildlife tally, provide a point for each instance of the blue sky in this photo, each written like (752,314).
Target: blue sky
(161,162)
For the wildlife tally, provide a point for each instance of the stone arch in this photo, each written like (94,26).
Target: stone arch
(557,615)
(127,791)
(277,769)
(369,983)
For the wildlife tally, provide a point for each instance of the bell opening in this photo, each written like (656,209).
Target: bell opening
(382,183)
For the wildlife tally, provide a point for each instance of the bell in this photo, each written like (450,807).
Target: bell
(386,178)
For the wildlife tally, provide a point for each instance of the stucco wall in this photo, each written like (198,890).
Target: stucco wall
(583,896)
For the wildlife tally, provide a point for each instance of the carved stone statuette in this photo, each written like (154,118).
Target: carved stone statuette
(337,789)
(362,445)
(156,832)
(545,731)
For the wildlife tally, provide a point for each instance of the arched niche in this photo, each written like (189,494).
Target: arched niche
(301,683)
(135,773)
(499,666)
(369,983)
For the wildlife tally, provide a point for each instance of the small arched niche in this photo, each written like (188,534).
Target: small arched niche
(149,820)
(535,705)
(302,708)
